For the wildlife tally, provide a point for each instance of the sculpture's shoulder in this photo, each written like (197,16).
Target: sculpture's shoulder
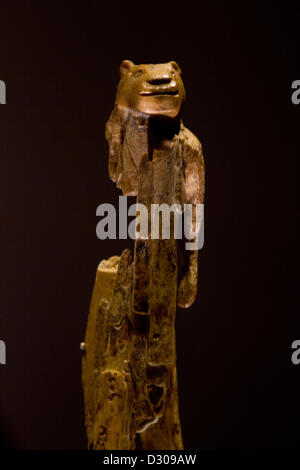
(190,142)
(192,166)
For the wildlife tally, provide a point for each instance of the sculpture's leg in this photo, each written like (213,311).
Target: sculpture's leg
(112,428)
(162,375)
(108,391)
(95,344)
(157,182)
(166,433)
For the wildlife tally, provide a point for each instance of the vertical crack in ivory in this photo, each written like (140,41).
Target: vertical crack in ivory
(129,356)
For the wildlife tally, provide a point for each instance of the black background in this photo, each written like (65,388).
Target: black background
(238,387)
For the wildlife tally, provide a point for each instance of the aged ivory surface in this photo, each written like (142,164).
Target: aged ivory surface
(129,357)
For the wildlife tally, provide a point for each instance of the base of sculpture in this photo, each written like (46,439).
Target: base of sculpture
(124,408)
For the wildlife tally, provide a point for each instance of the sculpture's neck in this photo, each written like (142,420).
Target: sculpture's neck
(160,129)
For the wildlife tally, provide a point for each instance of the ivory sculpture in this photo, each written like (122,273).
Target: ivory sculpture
(129,363)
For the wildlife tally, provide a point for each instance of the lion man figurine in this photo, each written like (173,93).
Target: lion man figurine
(129,364)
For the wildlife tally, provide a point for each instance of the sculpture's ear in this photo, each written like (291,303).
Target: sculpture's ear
(125,67)
(175,66)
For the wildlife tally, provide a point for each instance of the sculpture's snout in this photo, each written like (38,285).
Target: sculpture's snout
(160,81)
(163,85)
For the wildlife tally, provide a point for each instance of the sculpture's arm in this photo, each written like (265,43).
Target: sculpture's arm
(113,135)
(194,190)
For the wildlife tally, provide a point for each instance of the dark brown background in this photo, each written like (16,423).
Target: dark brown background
(60,63)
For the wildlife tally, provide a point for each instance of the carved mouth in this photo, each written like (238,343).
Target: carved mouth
(159,93)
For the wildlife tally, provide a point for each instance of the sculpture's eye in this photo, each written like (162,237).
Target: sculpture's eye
(138,72)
